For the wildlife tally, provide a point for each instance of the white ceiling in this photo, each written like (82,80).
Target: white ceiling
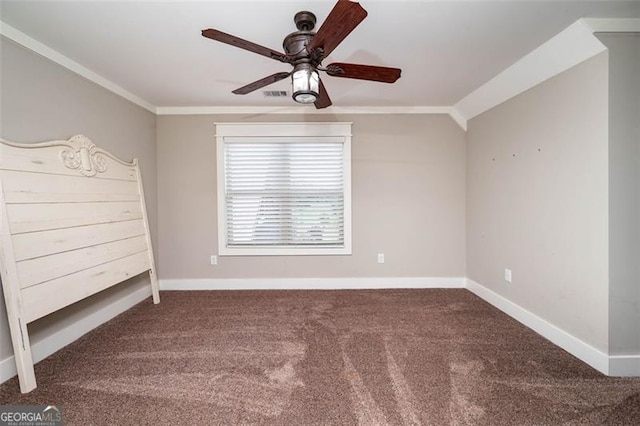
(154,50)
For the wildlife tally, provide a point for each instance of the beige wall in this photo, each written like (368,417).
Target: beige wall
(43,101)
(407,200)
(624,192)
(537,200)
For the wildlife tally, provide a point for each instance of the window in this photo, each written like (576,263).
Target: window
(284,188)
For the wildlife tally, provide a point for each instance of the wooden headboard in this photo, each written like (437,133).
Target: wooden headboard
(73,223)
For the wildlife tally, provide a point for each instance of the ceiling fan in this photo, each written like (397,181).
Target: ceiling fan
(305,50)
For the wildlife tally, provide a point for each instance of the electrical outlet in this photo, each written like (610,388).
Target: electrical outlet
(380,257)
(213,260)
(507,275)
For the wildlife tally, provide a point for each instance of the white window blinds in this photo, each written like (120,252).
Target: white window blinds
(284,189)
(284,194)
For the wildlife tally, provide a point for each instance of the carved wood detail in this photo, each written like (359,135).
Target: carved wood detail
(83,155)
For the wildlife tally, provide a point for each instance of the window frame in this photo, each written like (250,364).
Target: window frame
(267,132)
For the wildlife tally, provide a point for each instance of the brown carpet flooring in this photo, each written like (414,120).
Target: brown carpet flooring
(431,357)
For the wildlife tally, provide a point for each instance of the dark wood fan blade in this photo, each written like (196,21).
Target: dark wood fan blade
(364,72)
(343,18)
(261,83)
(243,44)
(323,100)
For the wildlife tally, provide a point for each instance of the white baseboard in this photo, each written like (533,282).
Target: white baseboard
(311,283)
(624,365)
(581,350)
(47,346)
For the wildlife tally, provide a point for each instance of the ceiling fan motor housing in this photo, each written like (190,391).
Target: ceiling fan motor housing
(295,45)
(305,20)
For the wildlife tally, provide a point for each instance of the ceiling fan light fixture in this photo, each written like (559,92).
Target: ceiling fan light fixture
(306,84)
(305,50)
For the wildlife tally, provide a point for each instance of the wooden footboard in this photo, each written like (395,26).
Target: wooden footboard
(73,223)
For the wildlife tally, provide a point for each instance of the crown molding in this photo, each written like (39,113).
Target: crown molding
(310,110)
(567,49)
(570,47)
(300,109)
(458,117)
(613,25)
(41,49)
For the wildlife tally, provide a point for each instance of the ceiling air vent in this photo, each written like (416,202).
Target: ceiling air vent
(275,94)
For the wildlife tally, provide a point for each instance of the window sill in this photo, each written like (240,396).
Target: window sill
(290,251)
